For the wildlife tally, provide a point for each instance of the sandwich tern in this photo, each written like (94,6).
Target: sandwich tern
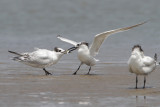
(86,54)
(141,64)
(40,58)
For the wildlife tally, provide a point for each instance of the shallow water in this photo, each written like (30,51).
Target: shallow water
(25,24)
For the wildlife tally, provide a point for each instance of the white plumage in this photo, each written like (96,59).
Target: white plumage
(86,54)
(141,64)
(40,58)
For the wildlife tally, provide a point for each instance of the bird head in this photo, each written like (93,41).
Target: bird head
(82,43)
(60,50)
(78,45)
(137,48)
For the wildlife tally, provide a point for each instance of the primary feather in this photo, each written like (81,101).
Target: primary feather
(99,38)
(67,40)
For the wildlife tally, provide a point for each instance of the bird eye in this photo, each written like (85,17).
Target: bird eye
(59,50)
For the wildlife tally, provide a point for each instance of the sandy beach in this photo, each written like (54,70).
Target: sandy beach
(26,24)
(112,85)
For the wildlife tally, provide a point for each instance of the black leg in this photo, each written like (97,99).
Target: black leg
(144,81)
(77,69)
(46,72)
(89,70)
(136,81)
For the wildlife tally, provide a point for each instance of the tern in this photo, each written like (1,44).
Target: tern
(86,54)
(40,58)
(140,64)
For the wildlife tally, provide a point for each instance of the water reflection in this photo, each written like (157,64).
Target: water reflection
(141,101)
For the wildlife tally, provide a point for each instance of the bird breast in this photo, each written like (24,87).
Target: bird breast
(85,57)
(141,66)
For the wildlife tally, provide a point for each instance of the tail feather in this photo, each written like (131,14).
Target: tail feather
(15,53)
(155,57)
(16,59)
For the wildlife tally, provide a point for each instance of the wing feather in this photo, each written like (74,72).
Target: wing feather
(148,61)
(99,38)
(67,40)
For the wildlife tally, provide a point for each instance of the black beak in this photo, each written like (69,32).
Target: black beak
(72,49)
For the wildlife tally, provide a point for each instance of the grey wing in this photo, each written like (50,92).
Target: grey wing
(149,64)
(24,57)
(129,65)
(148,61)
(130,70)
(40,58)
(99,38)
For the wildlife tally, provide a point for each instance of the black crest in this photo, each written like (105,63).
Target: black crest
(56,49)
(137,46)
(87,44)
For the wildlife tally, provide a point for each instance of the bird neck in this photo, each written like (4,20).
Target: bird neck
(59,55)
(83,48)
(139,55)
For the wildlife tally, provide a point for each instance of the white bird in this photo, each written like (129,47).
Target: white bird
(86,54)
(40,58)
(141,64)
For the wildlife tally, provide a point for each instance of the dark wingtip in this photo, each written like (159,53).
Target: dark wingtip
(9,51)
(14,53)
(59,36)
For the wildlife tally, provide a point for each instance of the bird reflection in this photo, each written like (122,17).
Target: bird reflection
(141,101)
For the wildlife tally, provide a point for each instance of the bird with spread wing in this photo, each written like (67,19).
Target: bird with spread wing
(86,54)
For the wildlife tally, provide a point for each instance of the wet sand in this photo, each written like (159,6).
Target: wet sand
(110,85)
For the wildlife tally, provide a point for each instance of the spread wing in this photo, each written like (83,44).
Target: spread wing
(67,40)
(99,38)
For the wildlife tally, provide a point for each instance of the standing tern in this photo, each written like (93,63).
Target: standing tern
(86,54)
(141,64)
(40,58)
